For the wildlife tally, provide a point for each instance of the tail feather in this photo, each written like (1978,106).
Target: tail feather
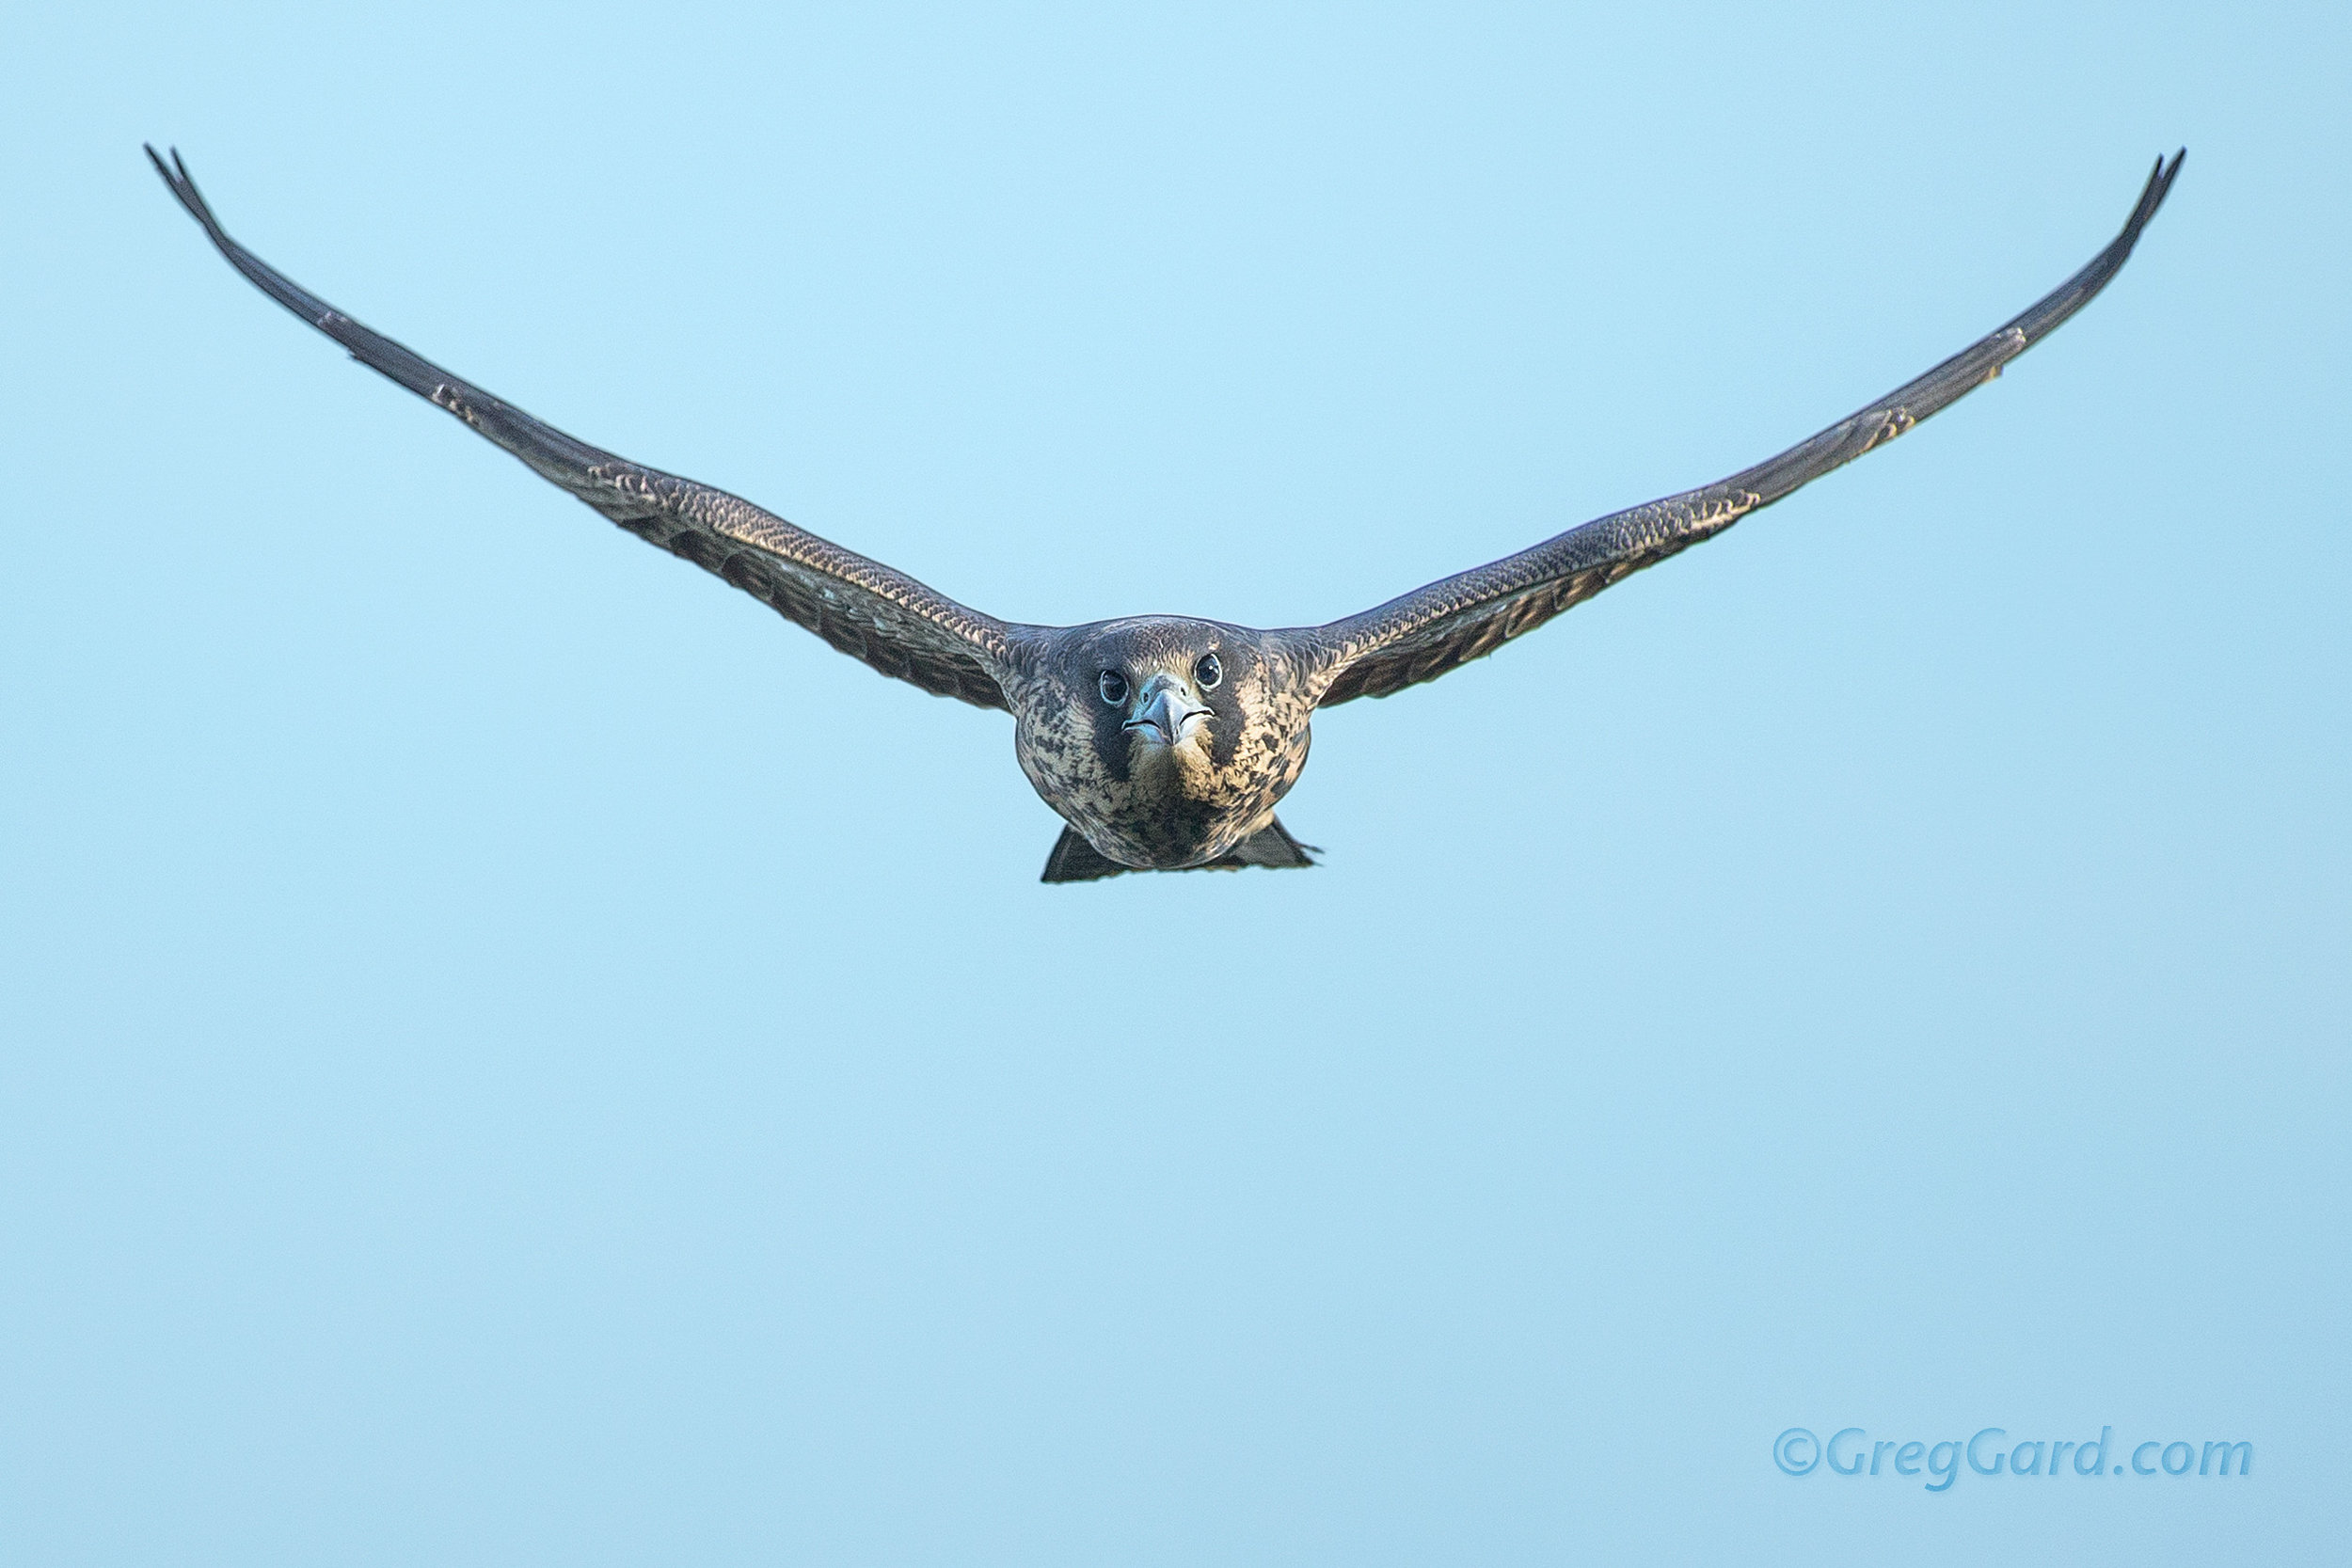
(1075,859)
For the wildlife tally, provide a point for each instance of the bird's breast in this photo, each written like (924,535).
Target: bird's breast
(1151,805)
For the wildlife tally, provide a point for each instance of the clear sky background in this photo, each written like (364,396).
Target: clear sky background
(514,1054)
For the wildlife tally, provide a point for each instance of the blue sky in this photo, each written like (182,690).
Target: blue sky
(514,1054)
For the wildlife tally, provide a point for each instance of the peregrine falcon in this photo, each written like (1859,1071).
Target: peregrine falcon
(1164,742)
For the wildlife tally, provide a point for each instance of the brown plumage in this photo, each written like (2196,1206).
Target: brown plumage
(1164,742)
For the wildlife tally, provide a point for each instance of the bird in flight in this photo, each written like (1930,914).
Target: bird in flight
(1163,741)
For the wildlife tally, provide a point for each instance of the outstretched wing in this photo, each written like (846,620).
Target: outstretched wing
(1446,625)
(861,607)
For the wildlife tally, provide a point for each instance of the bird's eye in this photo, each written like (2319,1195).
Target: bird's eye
(1113,686)
(1208,672)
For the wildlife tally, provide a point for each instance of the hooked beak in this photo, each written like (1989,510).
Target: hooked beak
(1162,713)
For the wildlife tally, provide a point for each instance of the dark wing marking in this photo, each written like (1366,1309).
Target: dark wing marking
(861,607)
(1446,625)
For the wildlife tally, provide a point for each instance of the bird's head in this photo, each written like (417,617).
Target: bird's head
(1163,697)
(1162,726)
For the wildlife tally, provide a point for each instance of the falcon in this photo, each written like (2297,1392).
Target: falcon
(1164,742)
